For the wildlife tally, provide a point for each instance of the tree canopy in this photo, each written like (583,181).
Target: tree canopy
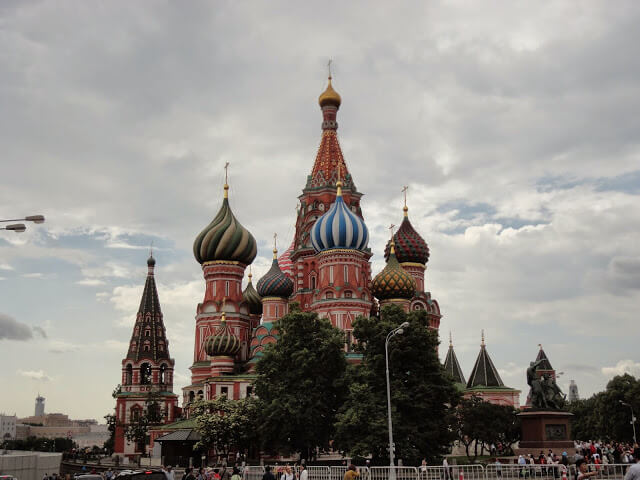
(603,416)
(300,384)
(423,396)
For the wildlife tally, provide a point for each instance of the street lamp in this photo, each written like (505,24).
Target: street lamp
(20,227)
(396,331)
(16,227)
(633,419)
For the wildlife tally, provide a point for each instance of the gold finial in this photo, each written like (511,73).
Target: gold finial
(226,180)
(482,342)
(405,209)
(540,345)
(450,339)
(275,246)
(329,96)
(224,315)
(339,182)
(392,250)
(250,274)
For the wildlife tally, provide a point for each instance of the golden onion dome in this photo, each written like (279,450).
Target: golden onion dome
(330,97)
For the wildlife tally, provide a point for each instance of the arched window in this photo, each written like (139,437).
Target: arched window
(321,207)
(145,374)
(192,396)
(313,282)
(346,274)
(163,373)
(135,413)
(147,332)
(226,288)
(329,295)
(128,375)
(348,294)
(146,347)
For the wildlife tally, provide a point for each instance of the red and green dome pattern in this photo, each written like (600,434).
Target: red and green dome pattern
(225,239)
(409,245)
(393,282)
(223,343)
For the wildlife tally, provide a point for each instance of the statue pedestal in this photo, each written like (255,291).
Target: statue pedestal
(544,429)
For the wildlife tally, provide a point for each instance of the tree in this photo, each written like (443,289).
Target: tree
(227,425)
(481,424)
(300,380)
(111,427)
(602,415)
(137,430)
(423,396)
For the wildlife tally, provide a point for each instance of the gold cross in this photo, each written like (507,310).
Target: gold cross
(329,67)
(151,249)
(391,227)
(404,190)
(275,241)
(226,168)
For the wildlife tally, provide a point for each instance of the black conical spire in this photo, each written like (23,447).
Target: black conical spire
(484,373)
(149,335)
(452,366)
(546,364)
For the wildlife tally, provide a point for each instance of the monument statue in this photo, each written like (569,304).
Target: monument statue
(545,393)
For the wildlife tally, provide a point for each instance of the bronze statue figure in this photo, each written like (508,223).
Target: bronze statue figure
(544,393)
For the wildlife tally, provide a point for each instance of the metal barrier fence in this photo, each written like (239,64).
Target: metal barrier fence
(505,471)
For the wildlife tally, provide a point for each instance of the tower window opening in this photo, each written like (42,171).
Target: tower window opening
(192,396)
(147,332)
(145,373)
(226,288)
(224,391)
(348,294)
(128,375)
(331,274)
(313,282)
(249,391)
(329,295)
(163,373)
(346,274)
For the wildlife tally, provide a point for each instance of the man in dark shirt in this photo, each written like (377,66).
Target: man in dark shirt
(267,474)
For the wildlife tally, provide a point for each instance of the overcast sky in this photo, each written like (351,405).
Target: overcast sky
(515,124)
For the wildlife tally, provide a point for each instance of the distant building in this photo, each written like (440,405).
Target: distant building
(52,425)
(7,427)
(573,392)
(96,436)
(39,406)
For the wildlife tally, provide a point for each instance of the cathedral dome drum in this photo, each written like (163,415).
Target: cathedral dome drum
(409,245)
(252,298)
(339,228)
(275,282)
(223,343)
(393,282)
(225,238)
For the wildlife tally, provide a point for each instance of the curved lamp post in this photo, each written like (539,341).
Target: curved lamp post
(633,419)
(396,331)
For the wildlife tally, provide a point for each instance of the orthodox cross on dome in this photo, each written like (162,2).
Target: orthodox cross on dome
(226,173)
(482,337)
(404,191)
(329,67)
(391,227)
(275,245)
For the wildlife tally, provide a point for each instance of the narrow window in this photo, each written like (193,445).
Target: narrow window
(331,274)
(313,282)
(224,391)
(226,288)
(249,390)
(346,274)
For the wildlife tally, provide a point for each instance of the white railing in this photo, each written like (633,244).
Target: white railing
(402,473)
(511,471)
(318,473)
(252,472)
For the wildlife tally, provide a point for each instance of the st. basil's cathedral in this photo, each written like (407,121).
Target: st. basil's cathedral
(326,270)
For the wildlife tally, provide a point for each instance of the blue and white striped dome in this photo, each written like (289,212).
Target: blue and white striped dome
(339,228)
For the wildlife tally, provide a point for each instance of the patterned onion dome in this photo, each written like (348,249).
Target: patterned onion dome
(225,238)
(410,246)
(329,97)
(252,298)
(223,343)
(339,228)
(393,281)
(275,282)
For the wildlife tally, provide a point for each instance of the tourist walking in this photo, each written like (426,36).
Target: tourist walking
(235,475)
(583,470)
(351,473)
(287,474)
(304,474)
(634,471)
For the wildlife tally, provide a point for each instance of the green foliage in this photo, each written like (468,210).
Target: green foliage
(40,444)
(300,381)
(423,396)
(481,424)
(137,430)
(109,444)
(602,415)
(227,425)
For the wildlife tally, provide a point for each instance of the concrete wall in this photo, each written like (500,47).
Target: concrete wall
(29,465)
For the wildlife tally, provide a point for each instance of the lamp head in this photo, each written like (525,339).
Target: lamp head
(35,218)
(400,331)
(16,227)
(404,325)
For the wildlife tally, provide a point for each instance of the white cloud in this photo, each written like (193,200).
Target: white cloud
(6,266)
(91,282)
(622,367)
(35,375)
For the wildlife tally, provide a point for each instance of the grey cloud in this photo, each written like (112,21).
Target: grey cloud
(11,329)
(40,331)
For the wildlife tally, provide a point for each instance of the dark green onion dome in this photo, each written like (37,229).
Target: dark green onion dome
(275,283)
(225,239)
(393,281)
(252,298)
(151,262)
(223,343)
(410,246)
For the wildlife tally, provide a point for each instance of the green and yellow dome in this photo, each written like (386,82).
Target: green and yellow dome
(223,343)
(225,238)
(393,281)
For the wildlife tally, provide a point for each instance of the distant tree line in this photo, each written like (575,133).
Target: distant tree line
(40,444)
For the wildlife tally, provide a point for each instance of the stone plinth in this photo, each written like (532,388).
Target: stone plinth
(544,429)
